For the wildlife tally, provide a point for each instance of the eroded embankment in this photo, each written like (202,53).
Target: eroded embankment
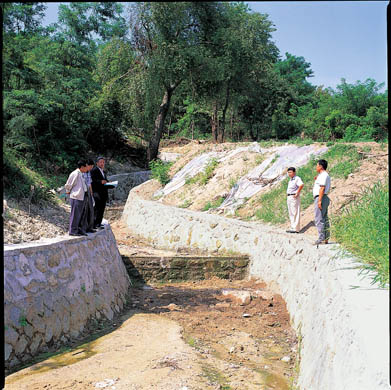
(344,330)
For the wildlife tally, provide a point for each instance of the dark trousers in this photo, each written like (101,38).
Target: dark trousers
(99,209)
(90,212)
(77,221)
(321,218)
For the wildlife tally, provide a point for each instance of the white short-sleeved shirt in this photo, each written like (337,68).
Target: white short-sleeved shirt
(293,185)
(323,179)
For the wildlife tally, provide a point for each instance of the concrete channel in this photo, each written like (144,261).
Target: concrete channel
(340,316)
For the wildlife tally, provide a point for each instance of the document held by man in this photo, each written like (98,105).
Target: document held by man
(111,184)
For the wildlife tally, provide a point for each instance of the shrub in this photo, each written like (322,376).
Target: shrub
(159,171)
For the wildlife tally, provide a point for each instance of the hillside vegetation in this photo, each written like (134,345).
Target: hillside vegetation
(359,194)
(115,80)
(108,77)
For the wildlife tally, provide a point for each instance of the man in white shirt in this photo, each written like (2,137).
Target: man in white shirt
(295,185)
(321,202)
(77,189)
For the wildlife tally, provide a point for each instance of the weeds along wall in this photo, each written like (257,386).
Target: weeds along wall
(54,289)
(344,331)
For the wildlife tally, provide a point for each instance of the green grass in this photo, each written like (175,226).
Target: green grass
(186,204)
(22,182)
(363,230)
(273,206)
(204,176)
(213,204)
(343,159)
(215,376)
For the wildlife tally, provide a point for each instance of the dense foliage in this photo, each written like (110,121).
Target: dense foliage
(106,75)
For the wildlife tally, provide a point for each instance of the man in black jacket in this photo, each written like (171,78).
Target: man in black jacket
(100,191)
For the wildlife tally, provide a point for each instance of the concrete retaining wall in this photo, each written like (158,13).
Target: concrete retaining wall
(126,181)
(344,330)
(52,290)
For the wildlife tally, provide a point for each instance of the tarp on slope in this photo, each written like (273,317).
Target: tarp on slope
(265,175)
(199,163)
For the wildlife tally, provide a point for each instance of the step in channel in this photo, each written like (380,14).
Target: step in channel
(183,268)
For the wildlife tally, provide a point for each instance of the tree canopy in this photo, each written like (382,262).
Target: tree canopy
(105,76)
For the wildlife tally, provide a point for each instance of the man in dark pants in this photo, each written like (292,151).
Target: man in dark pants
(99,179)
(76,188)
(321,202)
(90,203)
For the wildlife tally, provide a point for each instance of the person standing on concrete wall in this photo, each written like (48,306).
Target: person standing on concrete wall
(100,191)
(321,202)
(90,200)
(295,185)
(76,188)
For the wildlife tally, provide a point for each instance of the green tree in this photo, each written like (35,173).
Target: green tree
(171,40)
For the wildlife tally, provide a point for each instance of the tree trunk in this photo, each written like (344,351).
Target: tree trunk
(232,116)
(153,147)
(214,122)
(222,127)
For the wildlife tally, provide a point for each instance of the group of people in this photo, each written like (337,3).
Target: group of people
(320,192)
(88,193)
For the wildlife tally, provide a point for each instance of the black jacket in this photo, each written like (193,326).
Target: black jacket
(99,190)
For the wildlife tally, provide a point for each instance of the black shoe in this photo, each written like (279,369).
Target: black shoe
(78,234)
(83,234)
(91,231)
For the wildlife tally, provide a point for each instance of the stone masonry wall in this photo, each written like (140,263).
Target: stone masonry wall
(179,268)
(344,330)
(53,288)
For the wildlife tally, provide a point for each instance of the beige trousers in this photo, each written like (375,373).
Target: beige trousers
(294,212)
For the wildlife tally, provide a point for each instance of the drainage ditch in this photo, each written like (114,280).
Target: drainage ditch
(190,322)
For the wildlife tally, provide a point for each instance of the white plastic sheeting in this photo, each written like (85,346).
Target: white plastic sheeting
(199,163)
(265,175)
(268,173)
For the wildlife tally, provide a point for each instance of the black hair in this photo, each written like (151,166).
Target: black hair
(90,162)
(293,169)
(323,163)
(81,163)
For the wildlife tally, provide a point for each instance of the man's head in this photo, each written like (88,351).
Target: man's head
(100,162)
(321,166)
(90,165)
(291,172)
(82,165)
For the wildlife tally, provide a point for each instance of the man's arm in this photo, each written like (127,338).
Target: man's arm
(321,192)
(298,191)
(70,182)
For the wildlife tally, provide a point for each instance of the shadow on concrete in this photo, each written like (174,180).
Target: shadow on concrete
(306,227)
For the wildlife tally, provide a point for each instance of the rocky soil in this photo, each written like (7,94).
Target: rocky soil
(204,335)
